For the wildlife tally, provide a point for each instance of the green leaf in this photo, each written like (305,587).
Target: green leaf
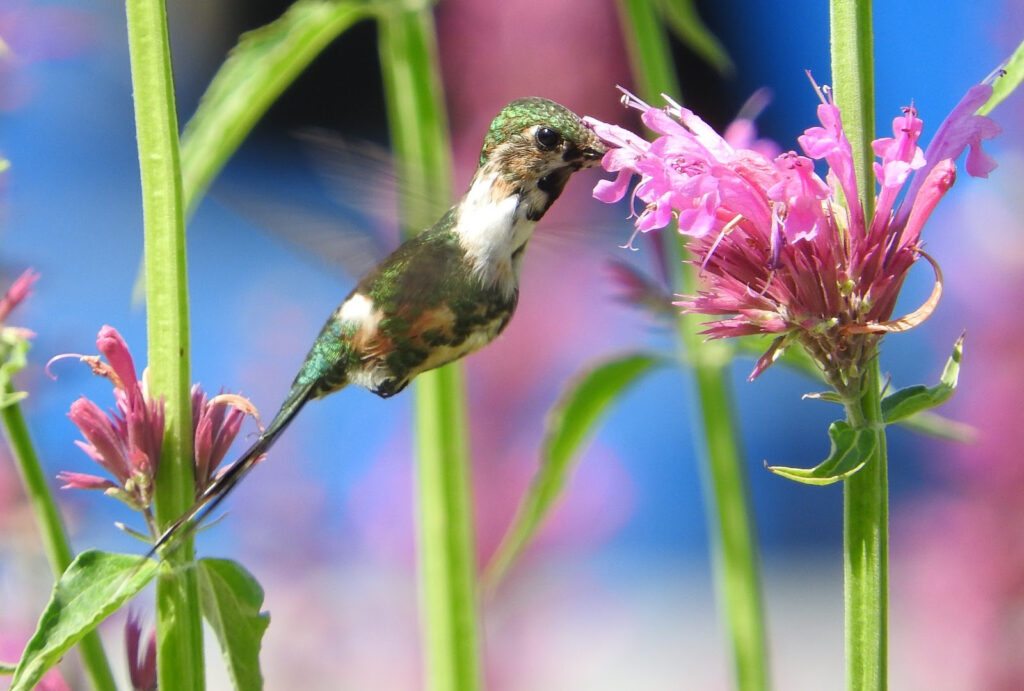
(231,600)
(938,426)
(827,396)
(13,349)
(914,399)
(851,449)
(94,586)
(1012,75)
(570,422)
(263,64)
(682,18)
(6,669)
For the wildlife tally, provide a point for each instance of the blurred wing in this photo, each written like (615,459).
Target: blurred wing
(329,239)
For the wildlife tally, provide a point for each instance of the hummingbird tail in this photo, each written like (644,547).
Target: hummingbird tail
(221,487)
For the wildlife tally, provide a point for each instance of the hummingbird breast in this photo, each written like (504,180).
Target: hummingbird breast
(421,308)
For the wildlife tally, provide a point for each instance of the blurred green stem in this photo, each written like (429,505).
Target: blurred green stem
(179,626)
(865,494)
(447,555)
(727,495)
(51,528)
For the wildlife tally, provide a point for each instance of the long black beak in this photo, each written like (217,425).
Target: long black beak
(588,153)
(593,150)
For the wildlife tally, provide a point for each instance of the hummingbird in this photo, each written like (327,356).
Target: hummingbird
(444,293)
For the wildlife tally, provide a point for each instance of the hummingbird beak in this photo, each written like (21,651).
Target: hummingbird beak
(589,152)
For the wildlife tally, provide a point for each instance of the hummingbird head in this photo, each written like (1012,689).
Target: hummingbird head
(530,150)
(532,147)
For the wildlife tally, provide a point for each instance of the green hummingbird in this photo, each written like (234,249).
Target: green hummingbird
(444,293)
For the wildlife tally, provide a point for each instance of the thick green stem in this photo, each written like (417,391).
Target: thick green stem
(866,550)
(51,529)
(727,496)
(179,626)
(853,81)
(447,555)
(865,494)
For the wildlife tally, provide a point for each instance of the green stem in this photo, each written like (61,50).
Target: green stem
(447,555)
(853,81)
(179,626)
(727,495)
(865,494)
(733,538)
(866,550)
(51,528)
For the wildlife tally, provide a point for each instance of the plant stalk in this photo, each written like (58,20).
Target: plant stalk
(866,549)
(179,625)
(727,495)
(51,529)
(865,494)
(447,553)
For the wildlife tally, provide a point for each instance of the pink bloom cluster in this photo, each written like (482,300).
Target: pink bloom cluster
(215,424)
(782,250)
(127,440)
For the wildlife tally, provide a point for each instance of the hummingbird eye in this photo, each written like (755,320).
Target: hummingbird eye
(547,138)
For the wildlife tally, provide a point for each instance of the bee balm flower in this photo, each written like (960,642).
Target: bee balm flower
(782,250)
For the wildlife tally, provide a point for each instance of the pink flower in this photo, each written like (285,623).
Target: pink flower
(15,295)
(19,290)
(215,424)
(30,34)
(127,440)
(783,251)
(141,668)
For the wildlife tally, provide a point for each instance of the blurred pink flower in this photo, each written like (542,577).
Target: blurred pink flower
(11,647)
(141,667)
(30,33)
(960,545)
(782,251)
(15,295)
(18,291)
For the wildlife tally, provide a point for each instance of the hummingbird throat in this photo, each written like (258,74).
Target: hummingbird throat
(495,220)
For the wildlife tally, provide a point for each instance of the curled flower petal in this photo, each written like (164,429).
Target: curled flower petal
(915,318)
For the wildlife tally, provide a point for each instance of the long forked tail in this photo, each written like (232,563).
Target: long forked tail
(221,487)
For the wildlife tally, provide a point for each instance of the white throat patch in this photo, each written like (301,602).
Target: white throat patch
(492,226)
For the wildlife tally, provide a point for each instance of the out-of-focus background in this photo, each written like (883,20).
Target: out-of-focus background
(617,592)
